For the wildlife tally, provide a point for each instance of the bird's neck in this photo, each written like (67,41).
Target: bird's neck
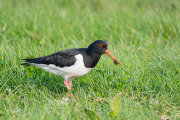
(92,58)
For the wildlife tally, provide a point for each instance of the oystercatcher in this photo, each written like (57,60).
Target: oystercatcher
(72,63)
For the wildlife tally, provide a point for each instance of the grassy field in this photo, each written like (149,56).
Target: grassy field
(144,35)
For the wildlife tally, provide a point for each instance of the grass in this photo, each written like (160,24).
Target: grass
(143,35)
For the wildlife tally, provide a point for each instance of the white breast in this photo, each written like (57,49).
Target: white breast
(76,70)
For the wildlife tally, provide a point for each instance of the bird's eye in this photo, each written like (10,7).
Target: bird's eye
(101,45)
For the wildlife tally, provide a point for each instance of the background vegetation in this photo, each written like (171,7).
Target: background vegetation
(144,35)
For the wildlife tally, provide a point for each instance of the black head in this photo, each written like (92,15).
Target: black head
(98,46)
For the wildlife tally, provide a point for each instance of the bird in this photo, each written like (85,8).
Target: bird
(72,63)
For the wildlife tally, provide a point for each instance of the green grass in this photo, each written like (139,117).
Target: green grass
(144,35)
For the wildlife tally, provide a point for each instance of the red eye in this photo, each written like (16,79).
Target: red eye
(101,45)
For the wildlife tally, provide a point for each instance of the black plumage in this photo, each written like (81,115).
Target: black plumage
(91,56)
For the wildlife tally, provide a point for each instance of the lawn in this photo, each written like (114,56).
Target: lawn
(144,35)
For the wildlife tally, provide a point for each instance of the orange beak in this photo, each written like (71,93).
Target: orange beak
(112,57)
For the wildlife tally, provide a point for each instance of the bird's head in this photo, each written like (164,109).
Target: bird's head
(101,47)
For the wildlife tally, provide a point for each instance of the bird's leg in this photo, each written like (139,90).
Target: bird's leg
(68,87)
(70,83)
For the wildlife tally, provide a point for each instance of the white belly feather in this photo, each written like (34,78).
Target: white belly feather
(76,70)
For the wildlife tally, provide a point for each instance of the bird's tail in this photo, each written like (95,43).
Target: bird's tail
(27,62)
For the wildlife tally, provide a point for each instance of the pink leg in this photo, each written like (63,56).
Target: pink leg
(68,86)
(70,82)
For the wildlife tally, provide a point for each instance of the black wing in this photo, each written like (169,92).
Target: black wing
(61,58)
